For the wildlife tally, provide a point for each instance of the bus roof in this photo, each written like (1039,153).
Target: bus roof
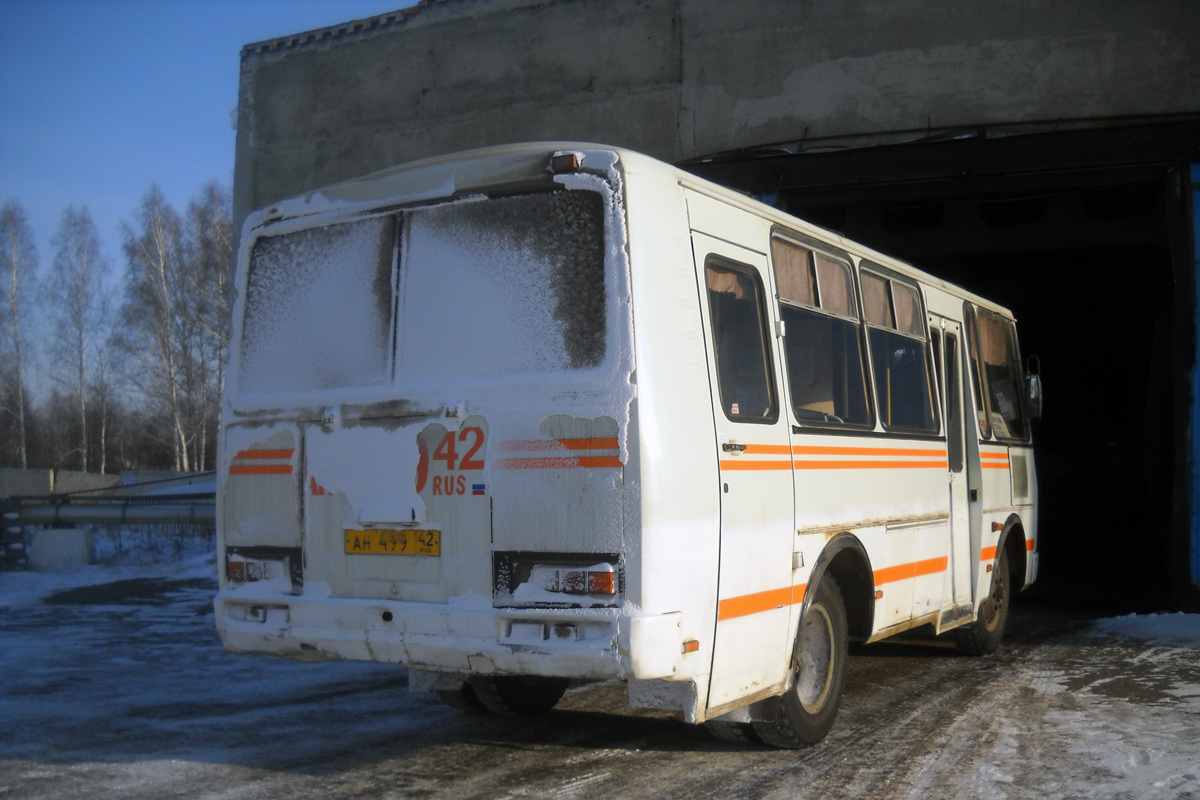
(471,171)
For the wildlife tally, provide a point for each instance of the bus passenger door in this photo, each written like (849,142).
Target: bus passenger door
(953,393)
(753,450)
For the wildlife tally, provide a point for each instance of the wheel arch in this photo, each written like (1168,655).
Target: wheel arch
(845,558)
(1012,541)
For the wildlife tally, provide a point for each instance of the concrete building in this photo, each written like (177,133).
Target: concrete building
(1042,152)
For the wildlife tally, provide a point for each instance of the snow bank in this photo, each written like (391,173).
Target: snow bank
(121,553)
(25,588)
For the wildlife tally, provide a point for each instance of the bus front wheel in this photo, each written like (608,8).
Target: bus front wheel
(983,636)
(808,709)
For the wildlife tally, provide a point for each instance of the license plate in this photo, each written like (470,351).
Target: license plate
(383,542)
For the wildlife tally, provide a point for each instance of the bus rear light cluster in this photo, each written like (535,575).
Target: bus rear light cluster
(247,570)
(598,579)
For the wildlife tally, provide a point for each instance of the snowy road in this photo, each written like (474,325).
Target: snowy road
(123,690)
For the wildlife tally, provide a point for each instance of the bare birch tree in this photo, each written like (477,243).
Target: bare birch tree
(78,308)
(154,329)
(210,278)
(19,266)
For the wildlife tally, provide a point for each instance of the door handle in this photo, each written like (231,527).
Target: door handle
(730,447)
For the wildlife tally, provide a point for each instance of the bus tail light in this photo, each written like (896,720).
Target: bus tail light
(596,579)
(240,569)
(565,162)
(532,579)
(584,580)
(603,582)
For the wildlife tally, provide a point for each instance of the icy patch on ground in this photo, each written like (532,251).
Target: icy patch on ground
(1176,630)
(1111,712)
(1144,676)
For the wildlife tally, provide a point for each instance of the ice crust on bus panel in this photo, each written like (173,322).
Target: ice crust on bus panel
(443,445)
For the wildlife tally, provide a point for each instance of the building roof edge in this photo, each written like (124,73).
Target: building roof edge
(334,33)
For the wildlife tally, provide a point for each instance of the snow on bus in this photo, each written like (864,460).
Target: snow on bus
(556,411)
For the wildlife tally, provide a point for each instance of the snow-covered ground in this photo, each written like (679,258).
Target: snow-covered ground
(113,683)
(1138,718)
(30,588)
(1159,630)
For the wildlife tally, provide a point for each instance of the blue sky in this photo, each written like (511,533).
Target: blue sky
(101,98)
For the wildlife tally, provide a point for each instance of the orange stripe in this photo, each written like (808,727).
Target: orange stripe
(599,461)
(748,604)
(816,450)
(589,444)
(988,553)
(806,450)
(994,455)
(916,569)
(265,454)
(510,445)
(872,464)
(735,464)
(769,449)
(534,445)
(260,469)
(738,464)
(985,465)
(560,463)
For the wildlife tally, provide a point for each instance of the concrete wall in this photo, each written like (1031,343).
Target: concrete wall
(684,78)
(18,482)
(59,547)
(66,481)
(777,71)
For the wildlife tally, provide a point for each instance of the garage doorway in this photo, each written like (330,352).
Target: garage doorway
(1085,236)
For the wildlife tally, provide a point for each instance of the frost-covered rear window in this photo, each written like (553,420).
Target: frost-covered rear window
(319,308)
(503,286)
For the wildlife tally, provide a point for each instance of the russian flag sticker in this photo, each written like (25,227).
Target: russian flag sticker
(476,488)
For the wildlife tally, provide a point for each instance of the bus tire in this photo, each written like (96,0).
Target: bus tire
(983,636)
(463,698)
(809,707)
(732,732)
(518,695)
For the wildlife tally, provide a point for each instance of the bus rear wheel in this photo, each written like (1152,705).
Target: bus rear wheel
(808,709)
(732,732)
(518,695)
(463,698)
(983,635)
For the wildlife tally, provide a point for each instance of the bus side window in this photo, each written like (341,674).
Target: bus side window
(954,430)
(981,412)
(899,356)
(826,376)
(935,342)
(740,340)
(1005,379)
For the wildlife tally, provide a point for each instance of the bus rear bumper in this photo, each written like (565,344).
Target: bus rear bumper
(467,640)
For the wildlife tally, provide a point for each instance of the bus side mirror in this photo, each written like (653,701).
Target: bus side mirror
(1033,388)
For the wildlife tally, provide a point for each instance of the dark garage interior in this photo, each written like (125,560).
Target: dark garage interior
(1084,234)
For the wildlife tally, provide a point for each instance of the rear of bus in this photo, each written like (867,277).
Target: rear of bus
(426,454)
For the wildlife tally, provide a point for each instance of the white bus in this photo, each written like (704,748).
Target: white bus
(543,412)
